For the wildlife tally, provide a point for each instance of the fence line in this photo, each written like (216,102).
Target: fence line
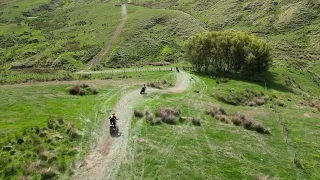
(285,133)
(18,78)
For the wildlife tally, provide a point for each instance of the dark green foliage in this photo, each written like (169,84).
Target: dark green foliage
(228,51)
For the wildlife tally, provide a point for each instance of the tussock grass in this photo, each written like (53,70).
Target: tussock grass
(138,113)
(48,173)
(82,89)
(196,121)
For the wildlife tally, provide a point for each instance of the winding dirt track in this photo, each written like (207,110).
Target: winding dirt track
(105,158)
(114,36)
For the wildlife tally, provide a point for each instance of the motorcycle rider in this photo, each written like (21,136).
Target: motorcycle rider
(143,89)
(113,119)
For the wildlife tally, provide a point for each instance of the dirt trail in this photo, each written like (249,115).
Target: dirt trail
(106,157)
(113,38)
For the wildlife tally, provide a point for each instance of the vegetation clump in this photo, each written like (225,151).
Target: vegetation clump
(237,119)
(138,113)
(246,97)
(82,89)
(164,114)
(196,121)
(43,149)
(229,52)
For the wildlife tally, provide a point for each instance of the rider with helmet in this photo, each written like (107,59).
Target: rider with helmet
(143,89)
(113,119)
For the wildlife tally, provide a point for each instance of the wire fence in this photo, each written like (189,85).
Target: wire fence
(285,132)
(14,78)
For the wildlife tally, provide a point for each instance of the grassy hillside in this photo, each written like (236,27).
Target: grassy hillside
(218,149)
(151,35)
(290,26)
(57,34)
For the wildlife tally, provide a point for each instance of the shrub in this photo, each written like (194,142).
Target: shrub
(60,120)
(158,121)
(248,124)
(214,111)
(51,124)
(72,131)
(169,119)
(149,118)
(260,128)
(243,53)
(236,120)
(106,78)
(182,119)
(148,112)
(196,121)
(83,85)
(74,90)
(43,155)
(280,103)
(138,113)
(82,92)
(224,119)
(260,101)
(48,173)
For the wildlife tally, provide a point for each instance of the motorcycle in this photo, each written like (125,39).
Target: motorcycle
(113,129)
(143,91)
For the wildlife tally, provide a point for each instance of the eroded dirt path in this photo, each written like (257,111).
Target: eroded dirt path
(105,158)
(111,41)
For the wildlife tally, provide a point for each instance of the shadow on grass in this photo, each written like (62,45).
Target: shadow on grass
(269,79)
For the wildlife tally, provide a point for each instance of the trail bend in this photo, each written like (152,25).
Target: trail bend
(105,158)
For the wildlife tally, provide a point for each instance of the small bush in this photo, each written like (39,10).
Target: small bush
(74,90)
(280,103)
(82,92)
(138,113)
(51,124)
(148,112)
(248,124)
(158,121)
(169,119)
(83,85)
(260,128)
(48,173)
(236,121)
(149,118)
(72,131)
(43,154)
(182,119)
(196,121)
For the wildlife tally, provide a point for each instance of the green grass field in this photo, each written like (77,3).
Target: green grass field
(64,37)
(25,112)
(217,150)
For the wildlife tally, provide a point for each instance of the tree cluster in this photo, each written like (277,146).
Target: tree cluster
(228,51)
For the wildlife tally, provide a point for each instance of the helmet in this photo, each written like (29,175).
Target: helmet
(113,113)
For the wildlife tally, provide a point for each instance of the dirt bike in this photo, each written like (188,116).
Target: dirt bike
(143,91)
(113,129)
